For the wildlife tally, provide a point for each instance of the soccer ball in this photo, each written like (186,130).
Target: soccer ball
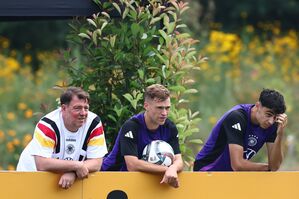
(158,152)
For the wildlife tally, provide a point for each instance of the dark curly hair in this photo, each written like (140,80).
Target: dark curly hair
(273,100)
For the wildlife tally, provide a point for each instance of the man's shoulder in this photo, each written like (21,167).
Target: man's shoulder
(92,115)
(238,113)
(132,122)
(53,115)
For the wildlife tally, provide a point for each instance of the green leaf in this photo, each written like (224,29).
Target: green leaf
(135,29)
(90,21)
(177,88)
(150,81)
(196,141)
(112,118)
(140,73)
(105,14)
(84,35)
(154,20)
(188,91)
(117,8)
(170,28)
(104,25)
(125,13)
(163,71)
(94,37)
(181,26)
(128,96)
(112,40)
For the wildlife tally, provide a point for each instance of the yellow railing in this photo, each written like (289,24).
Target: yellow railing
(217,185)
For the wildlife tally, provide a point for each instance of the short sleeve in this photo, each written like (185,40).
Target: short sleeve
(128,138)
(96,147)
(174,138)
(234,127)
(44,140)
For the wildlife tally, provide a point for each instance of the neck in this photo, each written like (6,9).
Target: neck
(69,126)
(253,115)
(149,123)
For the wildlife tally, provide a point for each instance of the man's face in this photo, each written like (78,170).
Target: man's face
(265,116)
(157,110)
(75,113)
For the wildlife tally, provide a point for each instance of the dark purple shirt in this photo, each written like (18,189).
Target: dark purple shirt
(234,127)
(133,137)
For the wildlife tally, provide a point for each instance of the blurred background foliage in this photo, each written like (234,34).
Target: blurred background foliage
(250,45)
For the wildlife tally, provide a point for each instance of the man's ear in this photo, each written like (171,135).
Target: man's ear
(145,105)
(63,107)
(258,104)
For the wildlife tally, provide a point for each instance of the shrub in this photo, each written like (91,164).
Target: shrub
(116,58)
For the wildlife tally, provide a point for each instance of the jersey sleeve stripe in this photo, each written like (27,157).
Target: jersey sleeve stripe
(45,142)
(96,132)
(97,142)
(92,126)
(56,130)
(47,131)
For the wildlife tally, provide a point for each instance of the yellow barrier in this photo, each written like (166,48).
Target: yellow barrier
(217,185)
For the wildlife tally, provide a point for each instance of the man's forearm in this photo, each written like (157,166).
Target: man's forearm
(56,165)
(276,154)
(178,163)
(94,164)
(247,165)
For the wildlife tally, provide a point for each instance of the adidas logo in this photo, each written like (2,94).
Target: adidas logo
(129,134)
(237,126)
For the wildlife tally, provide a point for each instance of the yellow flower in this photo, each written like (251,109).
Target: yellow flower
(11,133)
(28,113)
(11,116)
(11,167)
(249,29)
(2,135)
(12,63)
(27,59)
(27,138)
(22,106)
(10,147)
(16,142)
(13,53)
(5,44)
(212,120)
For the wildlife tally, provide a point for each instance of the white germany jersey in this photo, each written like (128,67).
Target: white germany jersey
(52,140)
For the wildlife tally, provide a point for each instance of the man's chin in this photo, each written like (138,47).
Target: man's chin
(161,122)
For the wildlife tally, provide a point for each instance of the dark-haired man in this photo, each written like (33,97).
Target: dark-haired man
(69,140)
(241,132)
(139,131)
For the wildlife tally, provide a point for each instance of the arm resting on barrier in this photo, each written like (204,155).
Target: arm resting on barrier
(61,166)
(134,164)
(171,174)
(238,163)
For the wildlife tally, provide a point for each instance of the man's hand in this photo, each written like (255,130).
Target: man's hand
(282,120)
(67,180)
(171,177)
(82,170)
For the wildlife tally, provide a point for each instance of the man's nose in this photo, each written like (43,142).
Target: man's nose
(83,111)
(164,111)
